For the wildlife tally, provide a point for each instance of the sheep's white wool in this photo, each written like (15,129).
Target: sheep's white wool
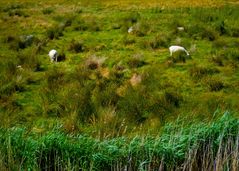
(130,30)
(174,48)
(53,55)
(180,28)
(19,67)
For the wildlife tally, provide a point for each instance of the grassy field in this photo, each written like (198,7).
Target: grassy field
(115,88)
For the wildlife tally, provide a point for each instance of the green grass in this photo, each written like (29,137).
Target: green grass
(212,145)
(93,32)
(110,83)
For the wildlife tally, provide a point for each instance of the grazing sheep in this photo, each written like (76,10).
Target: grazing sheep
(180,28)
(53,55)
(130,30)
(19,67)
(173,49)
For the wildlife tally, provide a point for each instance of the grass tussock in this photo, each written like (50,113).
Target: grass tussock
(199,72)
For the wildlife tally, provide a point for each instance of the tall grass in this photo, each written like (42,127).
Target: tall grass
(180,146)
(116,84)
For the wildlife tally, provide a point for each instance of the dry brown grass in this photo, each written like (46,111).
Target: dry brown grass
(66,6)
(163,3)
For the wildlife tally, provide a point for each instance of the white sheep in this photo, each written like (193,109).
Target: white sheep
(173,49)
(130,30)
(180,28)
(53,55)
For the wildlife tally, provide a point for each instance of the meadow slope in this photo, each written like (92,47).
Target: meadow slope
(109,84)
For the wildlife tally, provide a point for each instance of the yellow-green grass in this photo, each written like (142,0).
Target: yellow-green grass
(169,88)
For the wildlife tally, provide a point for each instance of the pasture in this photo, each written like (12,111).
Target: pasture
(121,94)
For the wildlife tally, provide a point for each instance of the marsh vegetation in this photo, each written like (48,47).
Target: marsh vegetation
(118,94)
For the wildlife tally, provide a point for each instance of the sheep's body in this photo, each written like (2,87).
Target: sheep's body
(53,55)
(180,28)
(173,49)
(130,30)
